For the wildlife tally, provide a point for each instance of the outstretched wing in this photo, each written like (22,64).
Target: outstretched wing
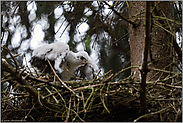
(52,52)
(64,61)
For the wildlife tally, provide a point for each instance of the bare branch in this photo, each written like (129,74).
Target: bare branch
(127,20)
(144,70)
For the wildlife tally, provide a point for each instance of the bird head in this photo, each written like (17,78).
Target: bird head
(83,57)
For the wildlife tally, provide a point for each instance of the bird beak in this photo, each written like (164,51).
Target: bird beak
(84,62)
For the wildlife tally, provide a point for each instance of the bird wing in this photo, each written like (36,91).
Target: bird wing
(60,62)
(64,61)
(51,51)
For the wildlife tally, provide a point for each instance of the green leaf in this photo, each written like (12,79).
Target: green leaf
(87,44)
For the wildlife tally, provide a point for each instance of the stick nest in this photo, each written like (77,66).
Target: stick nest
(30,97)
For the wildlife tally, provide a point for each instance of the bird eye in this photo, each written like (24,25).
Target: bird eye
(82,58)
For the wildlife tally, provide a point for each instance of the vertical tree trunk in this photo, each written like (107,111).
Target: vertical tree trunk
(160,48)
(159,51)
(136,35)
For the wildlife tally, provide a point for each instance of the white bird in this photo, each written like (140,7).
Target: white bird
(65,62)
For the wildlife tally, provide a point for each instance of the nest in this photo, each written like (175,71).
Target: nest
(31,97)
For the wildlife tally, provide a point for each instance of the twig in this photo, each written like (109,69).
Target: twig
(60,27)
(62,81)
(96,75)
(15,9)
(14,56)
(177,115)
(152,113)
(39,98)
(22,71)
(69,108)
(103,102)
(57,84)
(108,78)
(88,98)
(29,112)
(77,115)
(159,25)
(177,49)
(83,99)
(121,38)
(165,71)
(59,95)
(165,18)
(76,112)
(127,20)
(122,70)
(16,64)
(52,95)
(28,87)
(64,30)
(104,74)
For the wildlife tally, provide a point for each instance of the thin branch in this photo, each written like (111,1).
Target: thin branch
(54,84)
(164,18)
(52,95)
(88,99)
(165,71)
(159,25)
(68,111)
(122,70)
(177,49)
(127,20)
(16,64)
(15,9)
(6,67)
(144,69)
(62,81)
(152,113)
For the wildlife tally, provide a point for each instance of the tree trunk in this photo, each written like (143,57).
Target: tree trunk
(150,43)
(160,49)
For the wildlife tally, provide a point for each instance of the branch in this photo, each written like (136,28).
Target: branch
(62,81)
(127,20)
(16,75)
(54,84)
(152,113)
(177,49)
(16,64)
(144,70)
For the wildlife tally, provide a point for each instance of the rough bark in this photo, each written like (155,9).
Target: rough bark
(150,43)
(136,13)
(160,53)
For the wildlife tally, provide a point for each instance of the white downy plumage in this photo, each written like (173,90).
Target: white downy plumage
(65,62)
